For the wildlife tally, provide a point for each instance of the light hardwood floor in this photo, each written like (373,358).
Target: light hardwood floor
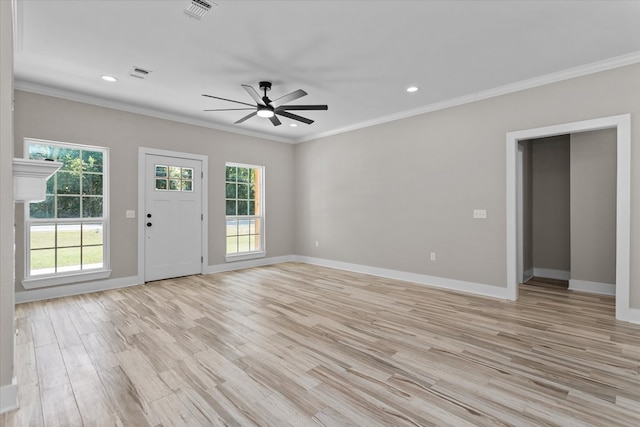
(298,345)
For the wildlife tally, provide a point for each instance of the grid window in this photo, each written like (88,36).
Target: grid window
(244,186)
(66,231)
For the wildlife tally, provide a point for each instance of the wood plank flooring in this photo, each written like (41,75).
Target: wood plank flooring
(301,345)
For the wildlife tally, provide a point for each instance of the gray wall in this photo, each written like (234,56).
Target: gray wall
(6,196)
(550,208)
(45,117)
(389,194)
(593,206)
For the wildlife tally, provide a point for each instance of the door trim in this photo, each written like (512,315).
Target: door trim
(204,250)
(622,123)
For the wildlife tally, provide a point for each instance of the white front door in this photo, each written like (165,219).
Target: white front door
(172,217)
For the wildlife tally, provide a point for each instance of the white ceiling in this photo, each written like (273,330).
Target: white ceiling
(356,56)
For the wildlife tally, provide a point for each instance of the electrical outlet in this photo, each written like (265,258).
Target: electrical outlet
(433,256)
(480,213)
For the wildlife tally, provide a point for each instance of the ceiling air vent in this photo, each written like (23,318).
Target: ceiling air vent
(139,73)
(198,8)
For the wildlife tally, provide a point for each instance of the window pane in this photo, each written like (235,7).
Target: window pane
(70,159)
(243,191)
(68,183)
(92,234)
(243,207)
(243,226)
(231,207)
(243,174)
(40,152)
(92,257)
(252,191)
(187,173)
(161,184)
(232,227)
(68,235)
(232,245)
(243,243)
(92,183)
(51,183)
(42,236)
(231,190)
(68,259)
(254,242)
(43,261)
(92,161)
(252,175)
(252,207)
(92,207)
(68,207)
(174,184)
(42,209)
(174,172)
(161,171)
(232,173)
(254,226)
(187,185)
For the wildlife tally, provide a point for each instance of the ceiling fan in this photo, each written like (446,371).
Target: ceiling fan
(267,108)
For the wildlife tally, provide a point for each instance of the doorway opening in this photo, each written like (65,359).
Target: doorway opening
(515,250)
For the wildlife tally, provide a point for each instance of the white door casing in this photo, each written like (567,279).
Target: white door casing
(622,123)
(172,221)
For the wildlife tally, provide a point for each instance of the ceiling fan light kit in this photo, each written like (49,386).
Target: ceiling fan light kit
(268,108)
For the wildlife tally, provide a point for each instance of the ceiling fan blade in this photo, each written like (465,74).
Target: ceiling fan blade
(288,98)
(294,117)
(301,107)
(230,100)
(231,109)
(252,92)
(248,116)
(275,121)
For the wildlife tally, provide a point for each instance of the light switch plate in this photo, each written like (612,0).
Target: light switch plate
(130,214)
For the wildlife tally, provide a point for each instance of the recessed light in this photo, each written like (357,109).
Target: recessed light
(109,79)
(412,89)
(293,125)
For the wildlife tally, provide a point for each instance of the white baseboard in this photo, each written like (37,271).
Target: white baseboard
(239,265)
(631,315)
(75,289)
(9,397)
(592,287)
(422,279)
(528,275)
(549,273)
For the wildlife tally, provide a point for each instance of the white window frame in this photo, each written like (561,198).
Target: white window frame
(242,256)
(63,278)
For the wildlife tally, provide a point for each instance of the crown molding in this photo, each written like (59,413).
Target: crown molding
(122,106)
(583,70)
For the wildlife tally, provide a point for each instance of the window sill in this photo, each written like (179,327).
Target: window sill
(64,279)
(245,256)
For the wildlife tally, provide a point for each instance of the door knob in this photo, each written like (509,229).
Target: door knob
(149,224)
